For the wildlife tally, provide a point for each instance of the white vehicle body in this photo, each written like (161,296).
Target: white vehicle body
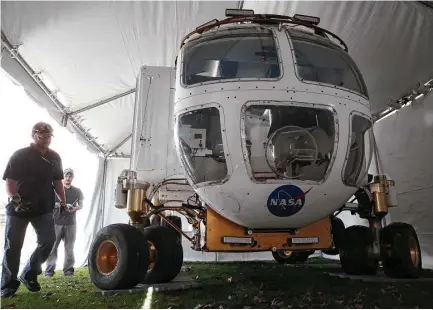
(237,194)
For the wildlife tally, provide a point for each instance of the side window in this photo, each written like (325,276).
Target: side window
(360,151)
(198,138)
(247,56)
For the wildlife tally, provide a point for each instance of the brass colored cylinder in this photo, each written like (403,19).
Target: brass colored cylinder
(136,206)
(380,199)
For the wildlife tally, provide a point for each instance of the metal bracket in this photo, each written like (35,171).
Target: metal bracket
(64,122)
(14,51)
(38,76)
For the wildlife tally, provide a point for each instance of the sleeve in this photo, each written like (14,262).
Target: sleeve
(58,169)
(80,195)
(14,168)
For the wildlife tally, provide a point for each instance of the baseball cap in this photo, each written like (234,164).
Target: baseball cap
(68,170)
(42,128)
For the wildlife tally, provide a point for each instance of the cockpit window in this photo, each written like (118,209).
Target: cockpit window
(321,63)
(288,142)
(246,56)
(360,151)
(198,138)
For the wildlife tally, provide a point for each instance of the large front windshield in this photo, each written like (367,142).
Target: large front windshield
(288,142)
(251,56)
(360,151)
(321,63)
(200,146)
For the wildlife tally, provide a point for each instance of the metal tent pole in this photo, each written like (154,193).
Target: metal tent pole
(114,149)
(99,103)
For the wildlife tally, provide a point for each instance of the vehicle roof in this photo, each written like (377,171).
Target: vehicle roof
(237,28)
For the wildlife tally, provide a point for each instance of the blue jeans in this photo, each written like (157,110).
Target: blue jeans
(15,233)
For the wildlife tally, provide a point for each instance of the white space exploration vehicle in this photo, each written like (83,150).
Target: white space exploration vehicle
(271,123)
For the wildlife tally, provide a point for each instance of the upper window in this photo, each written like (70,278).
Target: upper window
(249,56)
(359,152)
(322,63)
(199,143)
(288,142)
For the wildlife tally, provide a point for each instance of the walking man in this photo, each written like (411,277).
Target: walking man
(33,175)
(66,226)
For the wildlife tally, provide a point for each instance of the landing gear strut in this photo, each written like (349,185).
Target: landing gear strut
(124,255)
(395,245)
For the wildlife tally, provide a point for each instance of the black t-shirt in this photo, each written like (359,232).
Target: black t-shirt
(73,194)
(34,173)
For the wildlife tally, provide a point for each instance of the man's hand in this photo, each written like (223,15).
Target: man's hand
(70,207)
(63,206)
(19,204)
(60,191)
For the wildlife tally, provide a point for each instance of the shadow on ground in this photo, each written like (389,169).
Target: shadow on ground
(238,285)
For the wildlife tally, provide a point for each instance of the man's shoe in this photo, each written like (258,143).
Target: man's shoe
(8,293)
(32,285)
(49,275)
(68,274)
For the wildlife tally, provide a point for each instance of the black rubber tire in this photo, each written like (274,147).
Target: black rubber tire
(176,220)
(169,254)
(132,258)
(294,257)
(396,258)
(354,256)
(337,231)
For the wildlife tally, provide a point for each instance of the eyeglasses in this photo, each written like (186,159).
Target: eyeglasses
(43,136)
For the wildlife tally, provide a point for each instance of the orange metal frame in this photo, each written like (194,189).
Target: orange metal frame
(218,227)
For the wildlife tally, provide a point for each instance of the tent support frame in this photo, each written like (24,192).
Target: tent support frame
(102,102)
(409,98)
(120,144)
(13,50)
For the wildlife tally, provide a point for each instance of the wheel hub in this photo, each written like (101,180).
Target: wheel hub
(153,256)
(285,253)
(414,251)
(106,257)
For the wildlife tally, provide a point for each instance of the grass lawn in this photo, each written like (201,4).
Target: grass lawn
(237,285)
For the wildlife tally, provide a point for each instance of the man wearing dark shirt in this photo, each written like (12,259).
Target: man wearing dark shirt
(33,175)
(65,226)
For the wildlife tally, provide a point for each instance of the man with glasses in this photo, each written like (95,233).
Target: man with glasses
(33,175)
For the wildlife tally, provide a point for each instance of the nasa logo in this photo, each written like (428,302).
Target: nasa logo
(286,200)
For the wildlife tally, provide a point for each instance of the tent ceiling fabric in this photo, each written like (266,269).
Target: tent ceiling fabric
(91,51)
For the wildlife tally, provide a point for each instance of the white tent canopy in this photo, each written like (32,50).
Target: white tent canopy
(80,59)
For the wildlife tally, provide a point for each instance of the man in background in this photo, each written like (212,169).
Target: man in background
(66,226)
(33,175)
